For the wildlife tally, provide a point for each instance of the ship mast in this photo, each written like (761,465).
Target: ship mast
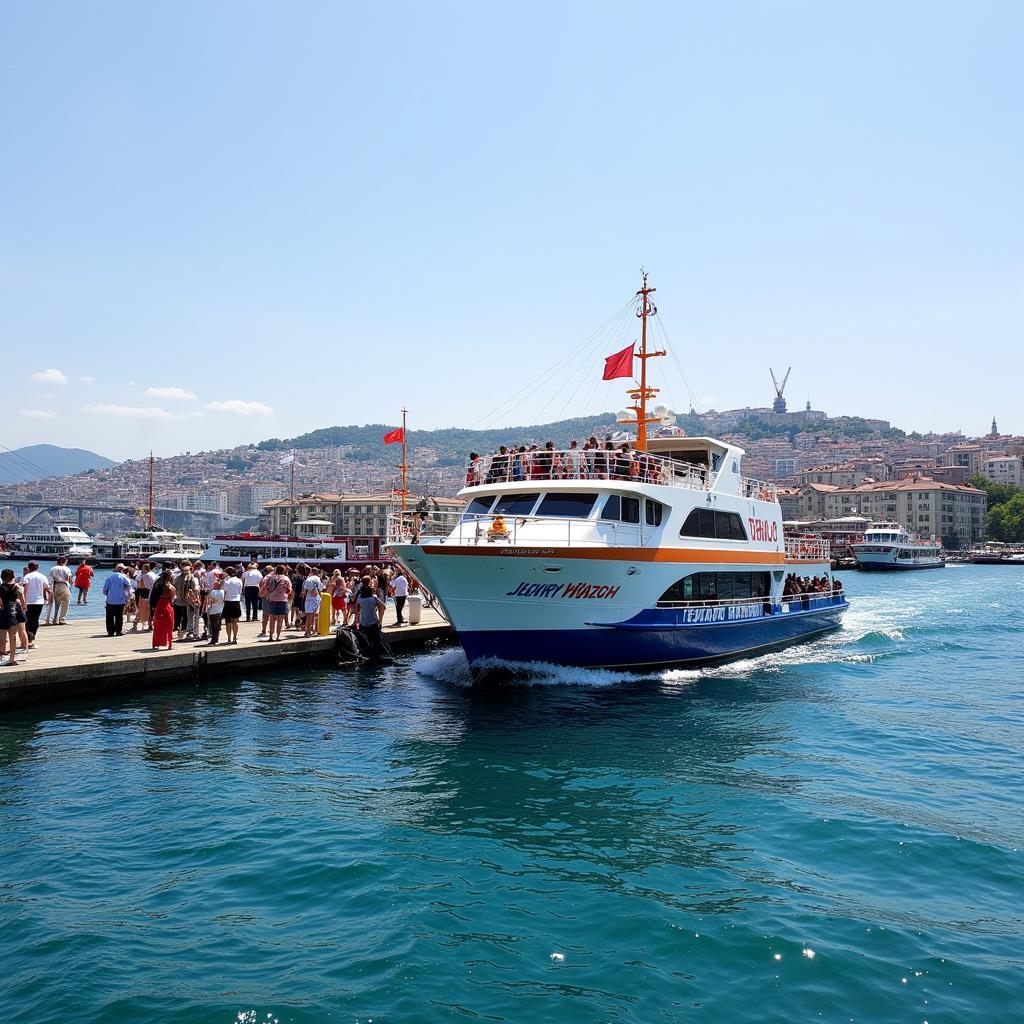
(150,522)
(404,467)
(643,394)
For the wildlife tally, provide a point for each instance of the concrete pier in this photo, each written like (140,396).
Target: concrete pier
(80,658)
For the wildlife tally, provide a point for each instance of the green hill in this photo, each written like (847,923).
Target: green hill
(452,443)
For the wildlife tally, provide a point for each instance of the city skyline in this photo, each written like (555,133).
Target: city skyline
(433,209)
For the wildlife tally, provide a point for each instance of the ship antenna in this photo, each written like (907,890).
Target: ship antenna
(643,394)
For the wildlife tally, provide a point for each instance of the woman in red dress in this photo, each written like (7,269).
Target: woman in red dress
(162,610)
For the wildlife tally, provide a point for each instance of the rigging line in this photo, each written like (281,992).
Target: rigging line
(564,359)
(614,329)
(598,340)
(506,407)
(694,404)
(583,378)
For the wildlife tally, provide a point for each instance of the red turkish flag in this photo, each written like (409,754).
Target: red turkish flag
(620,364)
(397,436)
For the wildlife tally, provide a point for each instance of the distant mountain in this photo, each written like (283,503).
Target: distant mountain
(452,443)
(39,461)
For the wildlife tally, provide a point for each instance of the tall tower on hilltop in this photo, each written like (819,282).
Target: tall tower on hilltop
(995,430)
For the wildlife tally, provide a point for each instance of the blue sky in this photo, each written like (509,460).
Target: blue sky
(224,222)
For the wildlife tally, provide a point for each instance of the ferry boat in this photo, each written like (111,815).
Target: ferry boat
(313,542)
(891,547)
(152,544)
(659,553)
(50,542)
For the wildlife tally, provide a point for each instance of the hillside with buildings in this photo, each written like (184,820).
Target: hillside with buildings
(828,466)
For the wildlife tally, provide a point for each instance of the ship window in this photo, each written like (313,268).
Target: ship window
(712,524)
(576,505)
(718,586)
(516,504)
(479,506)
(621,509)
(653,511)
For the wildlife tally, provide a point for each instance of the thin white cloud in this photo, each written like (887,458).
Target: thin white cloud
(50,376)
(141,412)
(240,408)
(88,380)
(172,394)
(39,414)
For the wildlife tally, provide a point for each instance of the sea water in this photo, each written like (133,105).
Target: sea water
(833,832)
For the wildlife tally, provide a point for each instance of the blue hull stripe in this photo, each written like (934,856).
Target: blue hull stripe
(655,646)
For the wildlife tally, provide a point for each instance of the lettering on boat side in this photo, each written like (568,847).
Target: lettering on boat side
(763,530)
(725,613)
(528,552)
(587,591)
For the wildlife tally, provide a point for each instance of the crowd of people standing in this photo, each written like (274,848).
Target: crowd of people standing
(201,602)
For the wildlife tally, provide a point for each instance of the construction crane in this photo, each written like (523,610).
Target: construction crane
(779,405)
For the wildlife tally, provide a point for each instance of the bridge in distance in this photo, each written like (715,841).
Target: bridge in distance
(167,516)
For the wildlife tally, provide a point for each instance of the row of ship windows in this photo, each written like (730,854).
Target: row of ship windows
(718,586)
(701,522)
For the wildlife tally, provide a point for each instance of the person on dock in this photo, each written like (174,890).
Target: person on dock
(231,584)
(369,609)
(117,590)
(161,600)
(268,571)
(36,588)
(146,580)
(251,580)
(311,587)
(214,610)
(336,591)
(186,603)
(83,581)
(60,584)
(279,592)
(10,600)
(400,591)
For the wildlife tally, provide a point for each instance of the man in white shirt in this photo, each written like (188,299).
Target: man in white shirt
(251,580)
(400,589)
(60,584)
(37,593)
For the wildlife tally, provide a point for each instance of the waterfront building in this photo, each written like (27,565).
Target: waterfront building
(1003,469)
(930,508)
(351,515)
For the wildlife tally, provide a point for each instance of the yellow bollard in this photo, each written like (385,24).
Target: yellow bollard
(323,625)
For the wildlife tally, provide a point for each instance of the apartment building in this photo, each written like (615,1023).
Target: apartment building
(1003,469)
(930,508)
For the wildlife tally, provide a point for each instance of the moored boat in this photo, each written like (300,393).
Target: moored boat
(890,547)
(50,542)
(657,553)
(313,542)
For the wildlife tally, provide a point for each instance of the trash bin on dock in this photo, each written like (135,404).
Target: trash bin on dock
(323,623)
(415,608)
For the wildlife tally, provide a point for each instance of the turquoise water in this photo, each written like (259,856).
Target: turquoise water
(92,610)
(392,846)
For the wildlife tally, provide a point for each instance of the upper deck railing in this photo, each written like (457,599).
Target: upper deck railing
(603,464)
(808,549)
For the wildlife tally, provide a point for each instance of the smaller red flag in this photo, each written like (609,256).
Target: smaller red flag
(620,364)
(396,436)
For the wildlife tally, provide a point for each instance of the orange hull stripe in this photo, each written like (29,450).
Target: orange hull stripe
(701,555)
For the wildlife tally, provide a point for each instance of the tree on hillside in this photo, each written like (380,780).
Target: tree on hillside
(998,494)
(1006,520)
